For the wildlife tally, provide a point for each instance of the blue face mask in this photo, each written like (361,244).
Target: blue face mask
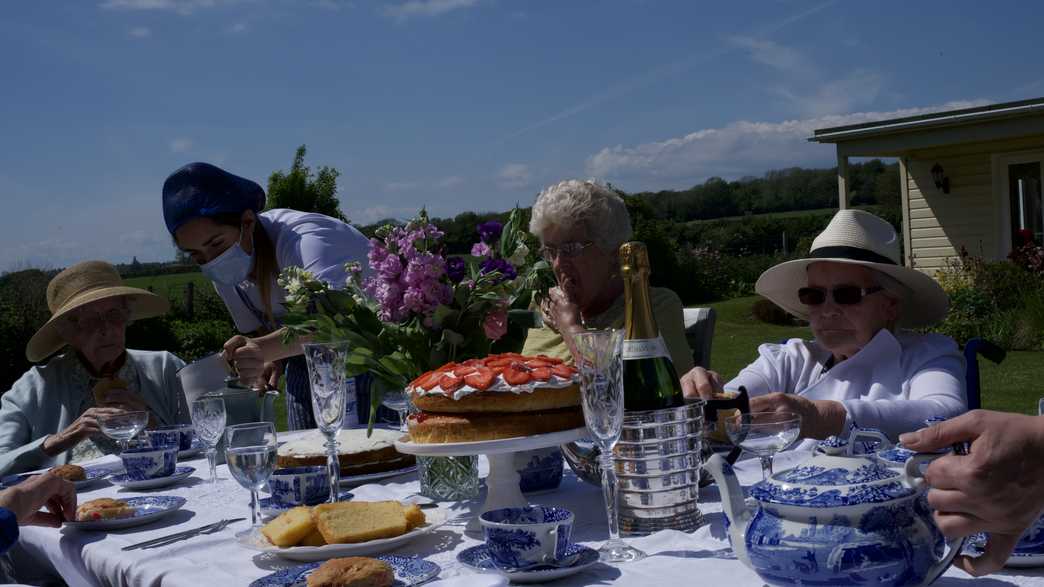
(230,267)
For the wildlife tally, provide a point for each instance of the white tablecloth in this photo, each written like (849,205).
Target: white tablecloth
(676,558)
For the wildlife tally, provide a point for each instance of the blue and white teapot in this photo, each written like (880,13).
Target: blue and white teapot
(836,519)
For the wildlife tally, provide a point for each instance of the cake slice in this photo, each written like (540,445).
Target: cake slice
(360,521)
(355,571)
(290,527)
(313,539)
(414,516)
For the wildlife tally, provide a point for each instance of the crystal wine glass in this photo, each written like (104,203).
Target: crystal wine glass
(397,400)
(124,426)
(602,393)
(327,376)
(250,450)
(764,434)
(208,417)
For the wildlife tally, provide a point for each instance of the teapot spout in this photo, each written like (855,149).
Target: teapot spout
(732,501)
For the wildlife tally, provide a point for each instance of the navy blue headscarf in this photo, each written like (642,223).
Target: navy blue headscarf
(204,190)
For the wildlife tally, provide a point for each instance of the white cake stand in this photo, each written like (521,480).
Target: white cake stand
(502,489)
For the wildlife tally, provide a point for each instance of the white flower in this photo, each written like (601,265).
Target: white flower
(519,256)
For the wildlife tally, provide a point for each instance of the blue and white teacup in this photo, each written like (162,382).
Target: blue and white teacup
(294,486)
(180,434)
(539,470)
(163,438)
(149,463)
(523,537)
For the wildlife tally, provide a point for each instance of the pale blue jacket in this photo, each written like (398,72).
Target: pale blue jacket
(48,398)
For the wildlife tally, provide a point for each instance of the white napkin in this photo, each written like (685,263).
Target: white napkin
(471,580)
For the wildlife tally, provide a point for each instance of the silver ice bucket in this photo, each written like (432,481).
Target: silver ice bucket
(657,464)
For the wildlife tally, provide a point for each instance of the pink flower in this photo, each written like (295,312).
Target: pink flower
(481,250)
(495,324)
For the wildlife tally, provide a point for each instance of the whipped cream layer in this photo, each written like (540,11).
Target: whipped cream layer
(352,441)
(499,386)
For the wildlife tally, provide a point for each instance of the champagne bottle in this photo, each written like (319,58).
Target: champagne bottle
(650,381)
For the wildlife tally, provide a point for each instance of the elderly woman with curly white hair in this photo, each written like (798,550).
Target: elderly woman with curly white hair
(581,225)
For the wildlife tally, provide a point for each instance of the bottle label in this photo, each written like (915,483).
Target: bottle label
(645,348)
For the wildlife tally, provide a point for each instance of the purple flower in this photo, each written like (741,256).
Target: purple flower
(507,270)
(456,269)
(490,230)
(481,250)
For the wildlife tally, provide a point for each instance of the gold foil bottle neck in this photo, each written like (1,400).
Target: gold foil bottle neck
(634,257)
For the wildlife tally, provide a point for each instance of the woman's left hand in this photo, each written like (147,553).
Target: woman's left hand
(819,418)
(246,356)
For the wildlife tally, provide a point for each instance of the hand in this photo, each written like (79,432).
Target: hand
(995,488)
(85,426)
(273,371)
(699,382)
(246,356)
(819,418)
(560,313)
(26,499)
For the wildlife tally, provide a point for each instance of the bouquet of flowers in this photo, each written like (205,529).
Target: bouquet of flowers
(418,308)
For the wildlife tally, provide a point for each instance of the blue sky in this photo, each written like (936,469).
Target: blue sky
(453,104)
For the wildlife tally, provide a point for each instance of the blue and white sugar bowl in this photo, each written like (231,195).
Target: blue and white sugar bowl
(294,486)
(524,537)
(149,463)
(836,519)
(539,470)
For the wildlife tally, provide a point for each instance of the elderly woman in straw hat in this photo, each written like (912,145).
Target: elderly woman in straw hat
(862,369)
(51,414)
(581,225)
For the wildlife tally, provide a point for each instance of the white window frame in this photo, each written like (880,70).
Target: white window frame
(1002,191)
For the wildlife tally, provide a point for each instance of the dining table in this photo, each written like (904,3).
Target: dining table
(87,558)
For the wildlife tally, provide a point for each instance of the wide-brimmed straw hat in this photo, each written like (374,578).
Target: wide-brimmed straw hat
(82,284)
(855,237)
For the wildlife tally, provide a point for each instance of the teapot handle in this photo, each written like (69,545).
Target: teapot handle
(915,478)
(866,433)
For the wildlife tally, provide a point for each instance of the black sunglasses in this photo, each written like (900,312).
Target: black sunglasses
(844,295)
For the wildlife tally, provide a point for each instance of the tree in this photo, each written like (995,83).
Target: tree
(301,190)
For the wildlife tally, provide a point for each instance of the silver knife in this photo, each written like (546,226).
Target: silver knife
(184,534)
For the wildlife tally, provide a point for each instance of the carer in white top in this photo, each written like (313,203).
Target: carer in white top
(862,369)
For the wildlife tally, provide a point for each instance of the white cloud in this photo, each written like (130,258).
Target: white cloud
(140,32)
(180,145)
(451,181)
(514,176)
(178,6)
(779,57)
(423,8)
(372,214)
(238,28)
(738,149)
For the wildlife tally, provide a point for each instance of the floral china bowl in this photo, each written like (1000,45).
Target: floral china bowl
(836,519)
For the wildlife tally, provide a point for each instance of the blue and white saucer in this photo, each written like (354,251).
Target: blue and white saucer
(270,509)
(479,559)
(197,447)
(128,483)
(146,510)
(408,571)
(1024,557)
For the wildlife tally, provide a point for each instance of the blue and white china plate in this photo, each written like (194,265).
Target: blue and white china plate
(94,474)
(1024,559)
(253,540)
(147,509)
(270,509)
(408,572)
(179,474)
(197,447)
(479,559)
(357,480)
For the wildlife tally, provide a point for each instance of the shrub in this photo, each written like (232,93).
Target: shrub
(766,311)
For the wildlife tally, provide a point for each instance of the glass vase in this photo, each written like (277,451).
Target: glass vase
(448,478)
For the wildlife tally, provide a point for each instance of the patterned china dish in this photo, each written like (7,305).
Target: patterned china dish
(179,474)
(836,520)
(409,571)
(1029,551)
(480,559)
(146,510)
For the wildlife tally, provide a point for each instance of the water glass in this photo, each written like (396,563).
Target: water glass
(208,416)
(397,400)
(328,379)
(250,450)
(124,426)
(764,434)
(600,361)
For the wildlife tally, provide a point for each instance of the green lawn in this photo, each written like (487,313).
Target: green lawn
(172,286)
(1013,386)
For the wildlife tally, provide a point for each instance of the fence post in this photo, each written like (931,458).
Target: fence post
(190,289)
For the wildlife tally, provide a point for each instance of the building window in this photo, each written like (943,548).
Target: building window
(1027,208)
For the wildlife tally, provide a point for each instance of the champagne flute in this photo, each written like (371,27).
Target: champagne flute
(600,363)
(396,400)
(208,417)
(250,450)
(764,434)
(124,426)
(327,377)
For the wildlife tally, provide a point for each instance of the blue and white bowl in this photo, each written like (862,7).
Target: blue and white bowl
(182,434)
(149,463)
(539,470)
(526,536)
(408,572)
(295,486)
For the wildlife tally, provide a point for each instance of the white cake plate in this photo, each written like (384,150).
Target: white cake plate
(502,490)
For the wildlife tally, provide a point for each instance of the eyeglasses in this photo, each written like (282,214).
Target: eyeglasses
(115,317)
(565,250)
(844,295)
